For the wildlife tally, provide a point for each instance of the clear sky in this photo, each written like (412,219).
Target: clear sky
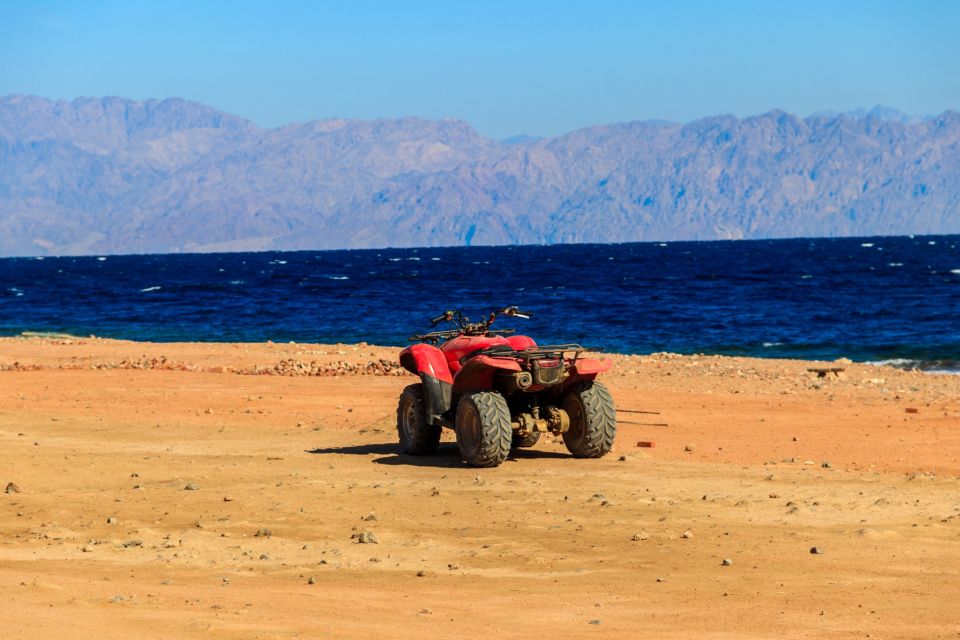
(506,67)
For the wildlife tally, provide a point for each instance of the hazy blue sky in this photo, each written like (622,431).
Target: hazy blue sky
(506,67)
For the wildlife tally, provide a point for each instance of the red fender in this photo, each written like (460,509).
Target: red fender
(478,372)
(591,366)
(521,342)
(422,359)
(588,369)
(431,365)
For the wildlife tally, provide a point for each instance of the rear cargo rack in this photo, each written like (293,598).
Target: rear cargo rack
(569,351)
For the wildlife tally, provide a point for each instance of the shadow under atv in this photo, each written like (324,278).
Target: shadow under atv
(446,456)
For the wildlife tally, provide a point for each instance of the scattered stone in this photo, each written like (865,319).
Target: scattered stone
(825,464)
(434,492)
(594,622)
(264,556)
(86,548)
(365,537)
(688,448)
(191,487)
(310,580)
(421,574)
(132,543)
(816,550)
(134,475)
(727,562)
(117,598)
(263,532)
(112,520)
(424,612)
(643,535)
(687,535)
(623,458)
(13,487)
(646,444)
(774,495)
(912,410)
(369,518)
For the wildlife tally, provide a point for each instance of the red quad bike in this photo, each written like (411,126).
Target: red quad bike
(499,391)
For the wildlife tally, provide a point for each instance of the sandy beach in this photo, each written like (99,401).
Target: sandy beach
(230,491)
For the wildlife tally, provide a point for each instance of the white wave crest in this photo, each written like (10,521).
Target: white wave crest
(148,289)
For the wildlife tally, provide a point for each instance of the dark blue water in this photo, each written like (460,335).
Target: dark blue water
(866,299)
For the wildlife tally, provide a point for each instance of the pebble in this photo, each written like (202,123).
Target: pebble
(264,556)
(425,612)
(816,550)
(86,548)
(687,535)
(263,532)
(132,543)
(643,535)
(310,580)
(112,520)
(227,499)
(623,458)
(117,598)
(420,574)
(825,464)
(594,622)
(370,517)
(191,487)
(688,447)
(727,562)
(13,487)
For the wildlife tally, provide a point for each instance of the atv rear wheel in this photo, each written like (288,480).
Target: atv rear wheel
(525,441)
(483,428)
(593,420)
(417,436)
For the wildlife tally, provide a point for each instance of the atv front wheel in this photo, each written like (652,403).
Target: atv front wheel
(593,420)
(483,428)
(525,441)
(417,436)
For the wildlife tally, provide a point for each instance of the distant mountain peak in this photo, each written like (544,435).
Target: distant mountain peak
(113,175)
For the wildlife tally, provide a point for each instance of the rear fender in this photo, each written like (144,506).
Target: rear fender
(521,342)
(431,365)
(588,369)
(477,374)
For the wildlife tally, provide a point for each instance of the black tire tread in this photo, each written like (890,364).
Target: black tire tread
(427,436)
(601,417)
(497,432)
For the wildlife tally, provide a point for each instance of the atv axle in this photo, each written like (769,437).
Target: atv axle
(557,421)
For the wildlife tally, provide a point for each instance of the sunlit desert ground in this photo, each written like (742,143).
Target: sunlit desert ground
(220,490)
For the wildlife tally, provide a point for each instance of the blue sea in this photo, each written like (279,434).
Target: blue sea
(890,299)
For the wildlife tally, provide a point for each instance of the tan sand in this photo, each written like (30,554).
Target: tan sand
(628,546)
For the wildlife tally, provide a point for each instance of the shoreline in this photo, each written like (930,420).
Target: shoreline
(900,364)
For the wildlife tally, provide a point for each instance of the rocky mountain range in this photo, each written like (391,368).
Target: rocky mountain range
(111,175)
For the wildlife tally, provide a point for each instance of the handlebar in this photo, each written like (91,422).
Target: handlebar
(465,327)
